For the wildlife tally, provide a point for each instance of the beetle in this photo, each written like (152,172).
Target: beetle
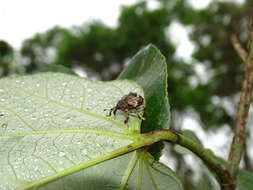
(130,105)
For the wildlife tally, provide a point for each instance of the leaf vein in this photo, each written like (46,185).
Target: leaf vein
(128,171)
(77,131)
(97,116)
(18,117)
(150,174)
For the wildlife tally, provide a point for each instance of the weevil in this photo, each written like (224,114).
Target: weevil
(130,104)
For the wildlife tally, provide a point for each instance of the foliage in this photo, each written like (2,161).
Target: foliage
(103,51)
(55,133)
(212,30)
(148,68)
(6,57)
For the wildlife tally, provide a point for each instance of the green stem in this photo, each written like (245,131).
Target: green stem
(210,160)
(144,140)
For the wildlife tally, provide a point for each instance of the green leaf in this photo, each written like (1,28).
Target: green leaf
(191,135)
(59,69)
(55,134)
(138,171)
(244,180)
(149,69)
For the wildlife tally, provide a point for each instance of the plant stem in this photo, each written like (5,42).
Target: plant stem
(210,160)
(145,140)
(239,49)
(238,143)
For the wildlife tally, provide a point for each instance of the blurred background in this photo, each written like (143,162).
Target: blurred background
(96,39)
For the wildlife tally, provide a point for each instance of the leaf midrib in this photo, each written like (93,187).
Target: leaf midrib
(77,131)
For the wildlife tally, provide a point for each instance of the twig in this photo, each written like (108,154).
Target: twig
(240,50)
(238,143)
(145,140)
(211,161)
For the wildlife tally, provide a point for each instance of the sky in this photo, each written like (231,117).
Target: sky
(22,19)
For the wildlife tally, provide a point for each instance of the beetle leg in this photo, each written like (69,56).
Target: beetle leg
(140,117)
(126,114)
(114,111)
(110,112)
(127,118)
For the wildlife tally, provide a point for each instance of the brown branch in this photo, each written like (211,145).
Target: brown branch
(239,49)
(238,143)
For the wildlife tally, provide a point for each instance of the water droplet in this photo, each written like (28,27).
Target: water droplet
(60,162)
(78,142)
(97,145)
(36,168)
(68,119)
(62,154)
(84,151)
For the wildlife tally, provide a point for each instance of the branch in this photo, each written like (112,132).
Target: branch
(210,160)
(239,49)
(142,141)
(238,143)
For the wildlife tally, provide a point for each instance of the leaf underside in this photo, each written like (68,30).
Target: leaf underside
(55,125)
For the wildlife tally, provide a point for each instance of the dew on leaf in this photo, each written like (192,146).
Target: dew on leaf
(84,151)
(60,150)
(68,119)
(61,154)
